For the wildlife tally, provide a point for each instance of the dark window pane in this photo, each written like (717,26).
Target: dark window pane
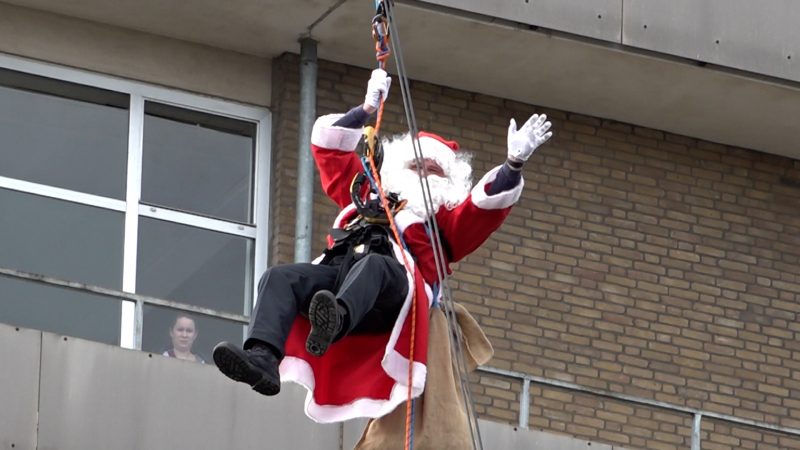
(193,266)
(61,239)
(209,331)
(59,310)
(197,162)
(63,135)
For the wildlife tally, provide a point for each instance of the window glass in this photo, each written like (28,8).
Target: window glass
(61,239)
(194,266)
(63,135)
(164,329)
(198,162)
(59,310)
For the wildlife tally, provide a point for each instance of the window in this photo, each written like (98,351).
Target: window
(136,204)
(195,266)
(198,162)
(60,135)
(59,310)
(61,239)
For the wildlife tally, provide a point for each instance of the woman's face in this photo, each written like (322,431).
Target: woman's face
(183,334)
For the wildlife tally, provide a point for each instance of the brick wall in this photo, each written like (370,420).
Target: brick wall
(637,261)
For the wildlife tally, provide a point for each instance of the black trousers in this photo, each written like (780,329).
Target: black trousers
(372,292)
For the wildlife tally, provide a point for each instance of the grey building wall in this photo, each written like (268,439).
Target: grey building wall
(63,393)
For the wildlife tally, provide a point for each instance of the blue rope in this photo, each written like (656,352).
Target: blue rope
(411,431)
(368,173)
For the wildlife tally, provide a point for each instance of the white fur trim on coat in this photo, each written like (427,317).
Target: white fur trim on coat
(500,200)
(405,218)
(301,373)
(325,135)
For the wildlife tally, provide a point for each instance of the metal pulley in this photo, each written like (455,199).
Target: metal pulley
(369,206)
(371,147)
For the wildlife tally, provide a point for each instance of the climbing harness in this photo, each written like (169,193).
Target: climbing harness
(384,32)
(370,210)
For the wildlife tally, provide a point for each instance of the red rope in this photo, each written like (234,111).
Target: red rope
(393,225)
(382,54)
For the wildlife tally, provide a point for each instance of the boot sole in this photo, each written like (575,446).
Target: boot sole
(324,318)
(233,363)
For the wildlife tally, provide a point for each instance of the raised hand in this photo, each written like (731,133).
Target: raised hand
(377,90)
(523,142)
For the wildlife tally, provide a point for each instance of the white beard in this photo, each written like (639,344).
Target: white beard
(398,178)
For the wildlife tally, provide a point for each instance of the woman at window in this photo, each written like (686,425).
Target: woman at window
(183,333)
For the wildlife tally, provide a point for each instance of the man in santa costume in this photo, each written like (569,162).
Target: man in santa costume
(341,326)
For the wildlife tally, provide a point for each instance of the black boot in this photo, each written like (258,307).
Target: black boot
(326,317)
(257,366)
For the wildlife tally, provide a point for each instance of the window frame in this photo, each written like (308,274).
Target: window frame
(139,93)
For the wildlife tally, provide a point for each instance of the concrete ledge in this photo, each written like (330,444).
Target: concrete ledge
(135,55)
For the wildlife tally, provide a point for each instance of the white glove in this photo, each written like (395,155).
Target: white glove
(522,142)
(377,88)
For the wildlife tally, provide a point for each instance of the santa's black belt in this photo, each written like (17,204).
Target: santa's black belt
(355,242)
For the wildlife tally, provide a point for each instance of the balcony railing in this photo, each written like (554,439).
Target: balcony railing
(697,414)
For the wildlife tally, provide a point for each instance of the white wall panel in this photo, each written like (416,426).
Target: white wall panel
(761,37)
(599,19)
(502,436)
(99,397)
(19,386)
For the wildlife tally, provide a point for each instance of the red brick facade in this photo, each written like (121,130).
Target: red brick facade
(637,261)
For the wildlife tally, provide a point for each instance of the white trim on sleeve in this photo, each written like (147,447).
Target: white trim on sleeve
(500,200)
(330,137)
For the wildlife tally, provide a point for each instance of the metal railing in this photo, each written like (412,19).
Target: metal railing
(697,414)
(120,295)
(112,294)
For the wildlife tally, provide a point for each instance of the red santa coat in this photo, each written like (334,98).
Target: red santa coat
(367,375)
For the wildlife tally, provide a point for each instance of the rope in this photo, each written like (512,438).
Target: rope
(455,336)
(380,31)
(393,225)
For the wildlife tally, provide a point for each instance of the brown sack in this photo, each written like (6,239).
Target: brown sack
(439,415)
